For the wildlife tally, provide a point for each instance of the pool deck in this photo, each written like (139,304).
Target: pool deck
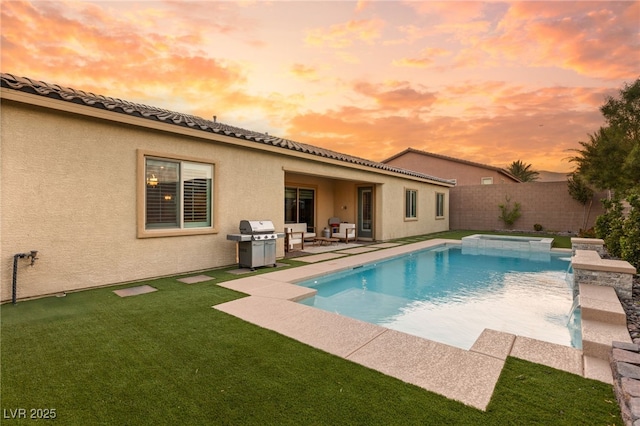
(468,376)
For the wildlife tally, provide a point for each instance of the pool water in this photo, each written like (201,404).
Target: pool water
(446,295)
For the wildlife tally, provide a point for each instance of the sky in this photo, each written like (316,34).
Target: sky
(489,82)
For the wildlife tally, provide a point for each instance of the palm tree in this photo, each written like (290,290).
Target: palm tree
(523,171)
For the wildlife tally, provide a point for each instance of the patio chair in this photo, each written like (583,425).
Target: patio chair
(346,232)
(292,238)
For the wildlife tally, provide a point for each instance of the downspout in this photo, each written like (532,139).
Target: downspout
(14,286)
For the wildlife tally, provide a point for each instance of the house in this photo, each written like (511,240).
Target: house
(108,191)
(463,172)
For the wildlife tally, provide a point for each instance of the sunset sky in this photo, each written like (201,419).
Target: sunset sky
(491,82)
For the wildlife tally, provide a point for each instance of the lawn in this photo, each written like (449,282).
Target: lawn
(168,358)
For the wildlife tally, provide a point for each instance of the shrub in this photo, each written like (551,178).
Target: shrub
(621,235)
(509,214)
(609,226)
(630,239)
(537,227)
(587,233)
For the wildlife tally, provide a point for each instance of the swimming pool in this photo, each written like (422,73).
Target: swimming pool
(446,295)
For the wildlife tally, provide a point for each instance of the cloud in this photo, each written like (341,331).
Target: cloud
(362,5)
(344,34)
(425,59)
(176,56)
(304,71)
(507,123)
(589,38)
(447,11)
(401,96)
(82,46)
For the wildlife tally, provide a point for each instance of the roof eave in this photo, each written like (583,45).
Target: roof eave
(79,102)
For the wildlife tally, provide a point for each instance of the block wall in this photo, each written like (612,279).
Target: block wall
(546,203)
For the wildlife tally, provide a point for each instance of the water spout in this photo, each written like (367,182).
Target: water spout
(568,276)
(574,307)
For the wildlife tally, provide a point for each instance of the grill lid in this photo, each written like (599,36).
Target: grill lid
(256,227)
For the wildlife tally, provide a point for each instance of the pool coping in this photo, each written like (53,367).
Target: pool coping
(468,376)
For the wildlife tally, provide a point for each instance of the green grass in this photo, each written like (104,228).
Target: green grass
(168,358)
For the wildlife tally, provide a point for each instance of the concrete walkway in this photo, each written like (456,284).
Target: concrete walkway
(467,376)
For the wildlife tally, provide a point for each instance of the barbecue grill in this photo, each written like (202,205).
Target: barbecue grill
(256,243)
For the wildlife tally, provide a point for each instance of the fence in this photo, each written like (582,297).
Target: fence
(546,203)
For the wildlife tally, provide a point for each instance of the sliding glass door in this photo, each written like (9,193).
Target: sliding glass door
(299,206)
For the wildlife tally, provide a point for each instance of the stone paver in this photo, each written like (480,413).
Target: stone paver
(494,343)
(319,257)
(134,291)
(556,356)
(455,373)
(196,279)
(597,369)
(385,245)
(358,250)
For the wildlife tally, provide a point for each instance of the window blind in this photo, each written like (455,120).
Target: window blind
(196,194)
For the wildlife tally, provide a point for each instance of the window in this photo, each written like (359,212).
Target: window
(177,197)
(299,206)
(439,205)
(410,204)
(487,181)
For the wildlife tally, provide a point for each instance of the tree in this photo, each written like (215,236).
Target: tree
(611,157)
(611,160)
(582,193)
(523,171)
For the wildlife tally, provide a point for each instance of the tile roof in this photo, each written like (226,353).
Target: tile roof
(457,160)
(40,88)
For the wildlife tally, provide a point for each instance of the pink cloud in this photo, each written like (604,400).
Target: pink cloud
(344,34)
(600,39)
(536,126)
(109,55)
(399,97)
(590,38)
(447,11)
(304,71)
(426,58)
(137,54)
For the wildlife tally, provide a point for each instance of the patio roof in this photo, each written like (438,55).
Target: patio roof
(27,85)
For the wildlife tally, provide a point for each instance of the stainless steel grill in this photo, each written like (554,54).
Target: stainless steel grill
(256,243)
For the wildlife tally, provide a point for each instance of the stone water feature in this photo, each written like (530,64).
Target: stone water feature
(607,327)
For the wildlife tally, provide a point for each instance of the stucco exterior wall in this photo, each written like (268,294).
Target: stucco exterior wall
(337,196)
(393,209)
(70,184)
(68,190)
(465,174)
(546,203)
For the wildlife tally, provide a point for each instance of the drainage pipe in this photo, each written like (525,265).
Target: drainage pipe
(15,275)
(14,286)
